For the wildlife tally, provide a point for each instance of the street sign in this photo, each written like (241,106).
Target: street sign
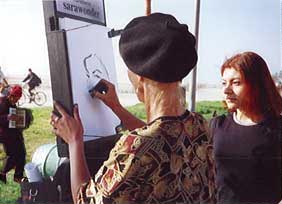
(92,11)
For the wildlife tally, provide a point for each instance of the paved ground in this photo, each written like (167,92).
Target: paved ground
(204,94)
(128,99)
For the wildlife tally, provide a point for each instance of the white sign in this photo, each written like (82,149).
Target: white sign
(91,55)
(85,10)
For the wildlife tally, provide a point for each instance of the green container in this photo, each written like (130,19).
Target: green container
(47,160)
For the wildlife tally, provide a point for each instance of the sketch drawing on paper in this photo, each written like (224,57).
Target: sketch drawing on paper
(95,70)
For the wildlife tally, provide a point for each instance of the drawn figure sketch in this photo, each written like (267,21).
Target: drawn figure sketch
(95,70)
(91,58)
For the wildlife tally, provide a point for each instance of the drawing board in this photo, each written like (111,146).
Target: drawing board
(90,55)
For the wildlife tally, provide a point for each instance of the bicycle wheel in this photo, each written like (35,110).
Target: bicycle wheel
(40,98)
(22,100)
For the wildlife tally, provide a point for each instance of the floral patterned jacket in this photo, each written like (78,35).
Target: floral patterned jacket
(168,161)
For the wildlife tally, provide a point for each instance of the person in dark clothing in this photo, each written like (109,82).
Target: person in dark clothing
(247,142)
(11,138)
(33,81)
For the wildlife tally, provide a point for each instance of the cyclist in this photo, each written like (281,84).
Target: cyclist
(33,81)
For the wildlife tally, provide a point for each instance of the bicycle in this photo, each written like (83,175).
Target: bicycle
(38,97)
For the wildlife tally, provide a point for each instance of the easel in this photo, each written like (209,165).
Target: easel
(61,77)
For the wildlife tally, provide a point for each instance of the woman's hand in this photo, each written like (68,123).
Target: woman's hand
(69,128)
(110,98)
(71,131)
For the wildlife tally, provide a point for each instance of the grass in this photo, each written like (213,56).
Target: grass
(40,133)
(206,108)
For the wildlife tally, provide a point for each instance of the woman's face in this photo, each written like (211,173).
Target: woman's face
(234,89)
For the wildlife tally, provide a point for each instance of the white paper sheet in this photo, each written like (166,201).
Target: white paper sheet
(90,56)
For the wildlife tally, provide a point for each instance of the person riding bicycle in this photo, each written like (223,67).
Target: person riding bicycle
(33,81)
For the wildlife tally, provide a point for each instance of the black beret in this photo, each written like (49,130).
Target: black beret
(158,47)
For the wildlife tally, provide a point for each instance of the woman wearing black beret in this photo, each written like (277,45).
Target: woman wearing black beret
(166,160)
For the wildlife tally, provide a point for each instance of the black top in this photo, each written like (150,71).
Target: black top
(248,161)
(33,79)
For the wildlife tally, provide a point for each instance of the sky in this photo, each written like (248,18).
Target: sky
(226,28)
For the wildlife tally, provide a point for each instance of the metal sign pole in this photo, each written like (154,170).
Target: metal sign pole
(193,87)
